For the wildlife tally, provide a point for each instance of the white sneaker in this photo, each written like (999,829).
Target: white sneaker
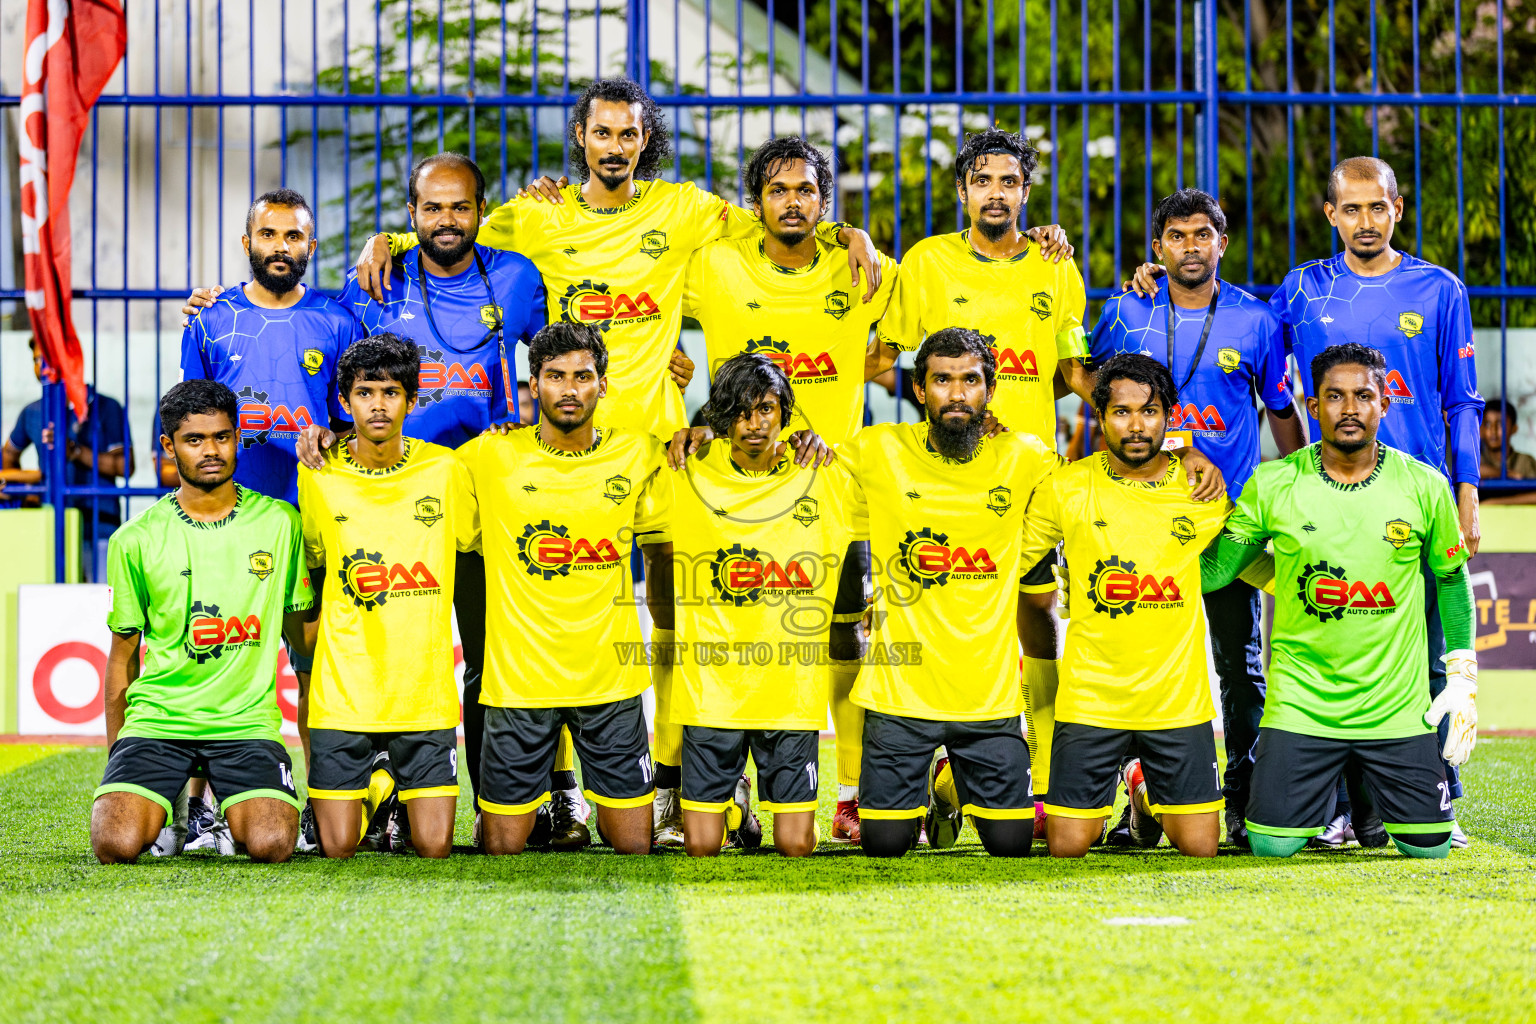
(217,838)
(1458,838)
(173,837)
(667,821)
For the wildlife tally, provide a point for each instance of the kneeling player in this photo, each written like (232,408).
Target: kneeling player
(386,517)
(1133,674)
(756,542)
(202,577)
(1351,520)
(561,506)
(945,509)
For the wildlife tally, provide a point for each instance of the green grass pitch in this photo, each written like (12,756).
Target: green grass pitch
(937,936)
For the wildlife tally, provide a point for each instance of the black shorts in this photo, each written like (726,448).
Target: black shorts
(990,762)
(1179,765)
(519,753)
(236,769)
(1039,578)
(424,763)
(1296,777)
(713,759)
(853,584)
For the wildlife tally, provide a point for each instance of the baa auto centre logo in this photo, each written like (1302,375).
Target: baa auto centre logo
(62,645)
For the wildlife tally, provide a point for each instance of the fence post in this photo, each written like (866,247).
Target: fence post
(55,466)
(1208,133)
(637,59)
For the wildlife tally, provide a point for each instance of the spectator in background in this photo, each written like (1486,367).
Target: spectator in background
(106,427)
(1499,416)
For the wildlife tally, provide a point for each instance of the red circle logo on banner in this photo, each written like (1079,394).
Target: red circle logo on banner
(42,682)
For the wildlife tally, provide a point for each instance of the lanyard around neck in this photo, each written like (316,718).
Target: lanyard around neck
(1205,334)
(496,325)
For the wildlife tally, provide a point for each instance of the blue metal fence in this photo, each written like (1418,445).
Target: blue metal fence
(338,97)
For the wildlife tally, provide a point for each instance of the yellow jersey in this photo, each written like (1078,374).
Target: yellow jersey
(562,626)
(388,539)
(756,559)
(1135,645)
(621,269)
(807,320)
(1029,309)
(945,540)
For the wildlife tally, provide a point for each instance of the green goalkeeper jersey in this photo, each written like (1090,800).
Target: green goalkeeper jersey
(1350,657)
(209,600)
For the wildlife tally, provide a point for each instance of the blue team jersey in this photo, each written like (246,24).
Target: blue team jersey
(281,365)
(464,384)
(1417,315)
(1244,353)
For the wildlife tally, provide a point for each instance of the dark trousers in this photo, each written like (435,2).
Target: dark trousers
(1232,615)
(469,609)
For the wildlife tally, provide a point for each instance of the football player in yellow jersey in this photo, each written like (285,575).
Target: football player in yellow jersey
(613,250)
(945,518)
(385,517)
(993,279)
(560,507)
(756,542)
(1133,675)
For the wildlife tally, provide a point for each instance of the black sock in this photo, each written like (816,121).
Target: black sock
(669,776)
(562,780)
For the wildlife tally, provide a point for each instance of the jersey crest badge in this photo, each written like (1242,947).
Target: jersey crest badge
(313,360)
(806,511)
(428,510)
(1228,359)
(616,489)
(653,244)
(1182,530)
(491,316)
(1398,532)
(1040,305)
(261,564)
(837,305)
(1411,324)
(999,500)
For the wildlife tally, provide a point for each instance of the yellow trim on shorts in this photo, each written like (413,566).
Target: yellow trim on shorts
(513,809)
(998,813)
(846,617)
(794,808)
(1037,588)
(338,794)
(1079,812)
(412,794)
(620,802)
(706,806)
(1209,805)
(878,815)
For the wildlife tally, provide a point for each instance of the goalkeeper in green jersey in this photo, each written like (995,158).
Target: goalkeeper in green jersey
(1351,519)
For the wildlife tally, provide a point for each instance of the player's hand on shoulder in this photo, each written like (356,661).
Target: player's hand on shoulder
(991,426)
(201,298)
(810,449)
(545,189)
(311,444)
(1053,242)
(504,428)
(681,369)
(688,442)
(374,266)
(1144,281)
(862,255)
(1205,480)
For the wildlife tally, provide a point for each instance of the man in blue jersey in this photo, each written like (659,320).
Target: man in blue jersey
(1222,345)
(274,342)
(1417,315)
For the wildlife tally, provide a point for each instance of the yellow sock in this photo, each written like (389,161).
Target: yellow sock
(565,752)
(848,722)
(380,785)
(669,737)
(944,785)
(1040,712)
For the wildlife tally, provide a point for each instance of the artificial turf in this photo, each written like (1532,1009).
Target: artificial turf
(936,936)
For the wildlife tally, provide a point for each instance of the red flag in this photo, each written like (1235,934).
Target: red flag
(73,46)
